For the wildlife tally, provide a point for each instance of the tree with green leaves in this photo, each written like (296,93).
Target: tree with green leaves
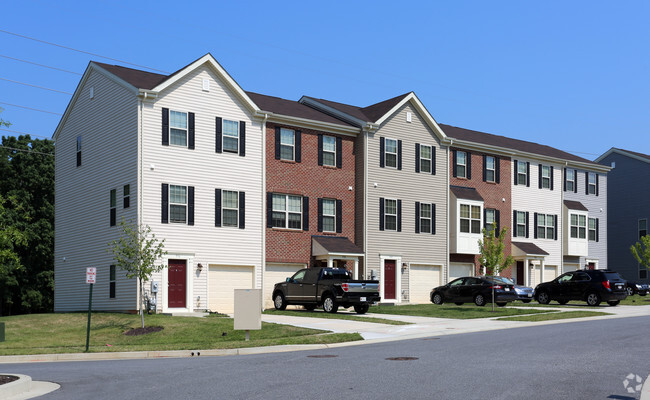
(10,237)
(491,249)
(3,122)
(136,252)
(641,251)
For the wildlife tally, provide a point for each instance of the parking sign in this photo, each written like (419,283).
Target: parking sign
(91,274)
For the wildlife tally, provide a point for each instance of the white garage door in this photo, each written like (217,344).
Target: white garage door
(571,267)
(276,273)
(423,278)
(550,272)
(458,270)
(223,280)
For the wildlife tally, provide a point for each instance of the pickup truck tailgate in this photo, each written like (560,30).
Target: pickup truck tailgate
(361,287)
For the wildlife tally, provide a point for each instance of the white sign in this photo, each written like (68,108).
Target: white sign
(91,274)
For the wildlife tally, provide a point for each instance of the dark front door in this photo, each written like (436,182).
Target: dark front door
(520,272)
(177,280)
(389,279)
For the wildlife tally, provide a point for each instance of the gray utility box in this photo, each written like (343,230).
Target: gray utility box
(2,331)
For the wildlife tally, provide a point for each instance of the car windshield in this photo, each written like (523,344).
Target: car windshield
(501,279)
(612,276)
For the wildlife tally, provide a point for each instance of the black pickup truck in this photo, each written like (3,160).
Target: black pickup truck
(330,288)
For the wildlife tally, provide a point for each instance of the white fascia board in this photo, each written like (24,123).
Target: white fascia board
(310,124)
(221,72)
(623,153)
(411,97)
(92,67)
(313,103)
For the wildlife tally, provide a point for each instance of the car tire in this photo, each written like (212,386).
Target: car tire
(613,302)
(310,307)
(459,303)
(479,300)
(593,299)
(279,302)
(329,304)
(642,294)
(562,302)
(543,298)
(630,291)
(501,304)
(526,301)
(437,298)
(361,308)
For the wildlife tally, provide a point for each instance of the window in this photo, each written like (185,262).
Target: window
(491,220)
(461,164)
(470,218)
(287,144)
(177,204)
(126,192)
(425,218)
(78,151)
(113,206)
(287,211)
(522,224)
(522,173)
(545,177)
(545,226)
(329,215)
(178,128)
(593,229)
(592,183)
(578,226)
(570,181)
(390,215)
(230,210)
(643,228)
(111,284)
(425,159)
(490,169)
(230,136)
(329,151)
(391,153)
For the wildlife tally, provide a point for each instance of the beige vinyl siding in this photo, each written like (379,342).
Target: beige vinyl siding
(206,170)
(409,187)
(108,127)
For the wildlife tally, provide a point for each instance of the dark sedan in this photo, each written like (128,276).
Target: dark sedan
(477,289)
(641,289)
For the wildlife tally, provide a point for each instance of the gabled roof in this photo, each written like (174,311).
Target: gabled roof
(371,113)
(467,193)
(627,153)
(137,78)
(575,205)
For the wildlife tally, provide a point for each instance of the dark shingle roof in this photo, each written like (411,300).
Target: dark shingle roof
(647,157)
(136,77)
(291,108)
(530,248)
(466,193)
(337,244)
(372,113)
(509,143)
(575,205)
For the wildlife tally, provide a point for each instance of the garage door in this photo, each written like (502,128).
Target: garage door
(423,278)
(276,273)
(223,280)
(550,272)
(458,270)
(571,267)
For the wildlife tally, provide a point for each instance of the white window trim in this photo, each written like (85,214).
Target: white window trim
(332,152)
(494,169)
(546,226)
(590,184)
(386,153)
(386,214)
(516,223)
(485,223)
(186,129)
(430,218)
(287,212)
(524,173)
(430,158)
(470,219)
(169,201)
(224,208)
(589,230)
(329,216)
(571,181)
(546,178)
(463,164)
(571,226)
(293,146)
(225,136)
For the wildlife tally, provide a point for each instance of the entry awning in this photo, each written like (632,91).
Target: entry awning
(467,193)
(334,246)
(527,249)
(575,205)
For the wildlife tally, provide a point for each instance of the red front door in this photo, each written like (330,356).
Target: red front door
(177,279)
(389,279)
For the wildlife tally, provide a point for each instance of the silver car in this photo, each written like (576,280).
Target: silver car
(524,293)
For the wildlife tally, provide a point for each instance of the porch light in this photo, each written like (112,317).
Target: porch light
(199,267)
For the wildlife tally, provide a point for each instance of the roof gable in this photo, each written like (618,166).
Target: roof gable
(626,153)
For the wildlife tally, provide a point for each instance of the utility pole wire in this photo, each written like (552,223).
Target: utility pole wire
(40,65)
(36,86)
(26,151)
(26,133)
(29,108)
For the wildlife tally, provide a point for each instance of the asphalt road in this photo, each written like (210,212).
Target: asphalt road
(579,360)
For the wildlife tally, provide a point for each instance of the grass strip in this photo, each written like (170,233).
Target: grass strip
(453,311)
(554,316)
(338,315)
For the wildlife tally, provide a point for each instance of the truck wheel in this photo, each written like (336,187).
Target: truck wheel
(361,308)
(279,302)
(310,307)
(329,304)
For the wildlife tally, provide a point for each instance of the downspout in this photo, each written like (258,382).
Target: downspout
(447,172)
(138,217)
(264,213)
(365,202)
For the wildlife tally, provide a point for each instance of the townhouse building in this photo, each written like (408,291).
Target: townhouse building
(627,209)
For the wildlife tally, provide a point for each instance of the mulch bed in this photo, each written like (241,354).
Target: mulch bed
(143,331)
(7,378)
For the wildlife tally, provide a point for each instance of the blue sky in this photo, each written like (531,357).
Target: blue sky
(574,75)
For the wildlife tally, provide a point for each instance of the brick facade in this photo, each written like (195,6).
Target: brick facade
(495,195)
(307,178)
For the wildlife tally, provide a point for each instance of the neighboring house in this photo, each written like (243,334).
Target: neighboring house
(401,194)
(182,153)
(628,209)
(310,191)
(546,198)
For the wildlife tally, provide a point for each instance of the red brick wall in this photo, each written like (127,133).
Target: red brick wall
(309,179)
(493,195)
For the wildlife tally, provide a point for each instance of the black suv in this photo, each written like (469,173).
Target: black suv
(590,285)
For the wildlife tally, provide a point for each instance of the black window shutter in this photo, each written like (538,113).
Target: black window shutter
(399,154)
(497,169)
(417,217)
(190,205)
(399,215)
(575,183)
(277,143)
(217,207)
(551,177)
(320,215)
(242,138)
(190,131)
(165,126)
(433,218)
(527,218)
(305,213)
(113,217)
(469,165)
(339,152)
(535,223)
(417,159)
(298,148)
(497,220)
(539,183)
(339,216)
(484,168)
(218,123)
(597,229)
(454,154)
(565,179)
(242,210)
(164,203)
(514,223)
(433,160)
(381,213)
(528,174)
(587,183)
(320,153)
(269,210)
(556,227)
(516,169)
(382,146)
(596,184)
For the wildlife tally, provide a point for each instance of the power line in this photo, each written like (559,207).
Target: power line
(40,65)
(36,86)
(25,133)
(81,51)
(26,151)
(29,108)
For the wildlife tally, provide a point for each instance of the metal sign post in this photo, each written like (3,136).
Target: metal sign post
(91,275)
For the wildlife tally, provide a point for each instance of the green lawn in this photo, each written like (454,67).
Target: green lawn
(451,311)
(66,333)
(555,315)
(338,315)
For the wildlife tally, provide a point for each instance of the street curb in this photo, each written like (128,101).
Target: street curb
(645,390)
(12,389)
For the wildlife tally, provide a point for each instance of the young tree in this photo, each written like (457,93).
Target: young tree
(136,252)
(491,251)
(641,251)
(10,237)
